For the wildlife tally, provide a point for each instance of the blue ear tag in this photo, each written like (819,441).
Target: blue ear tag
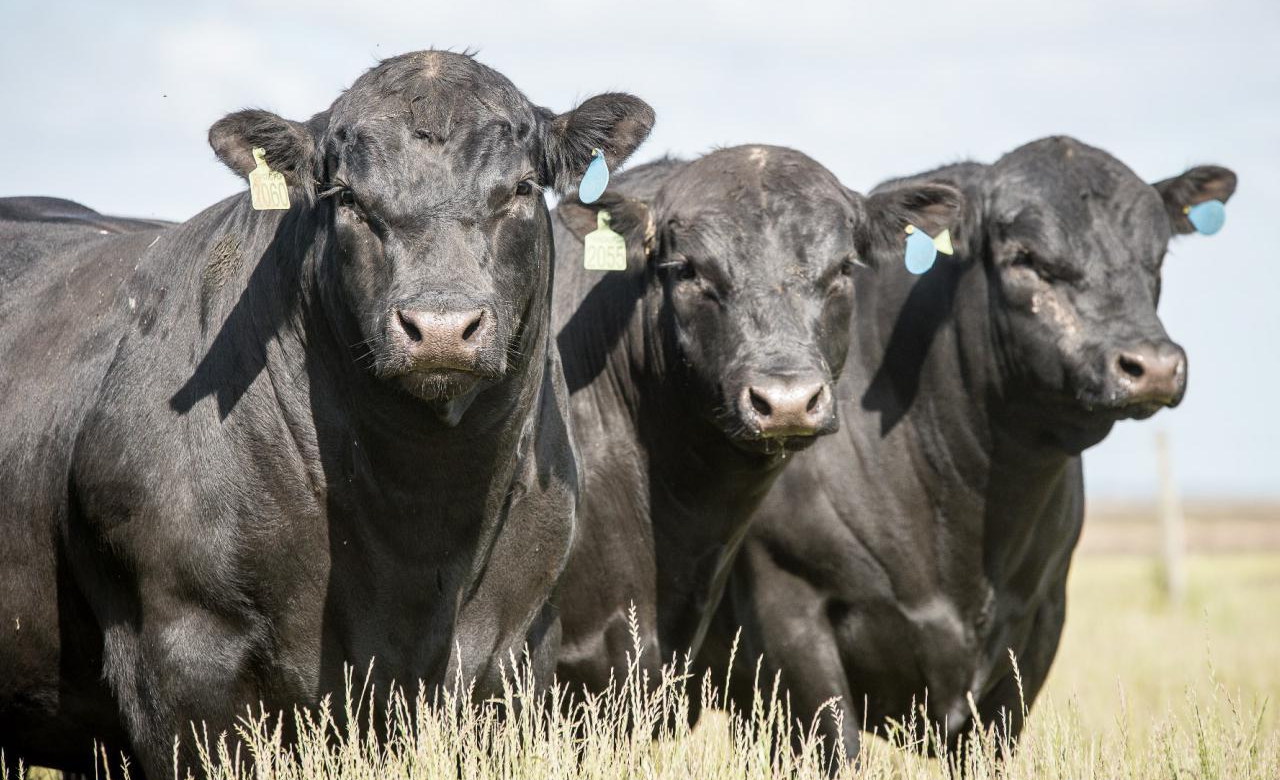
(595,179)
(921,251)
(1207,217)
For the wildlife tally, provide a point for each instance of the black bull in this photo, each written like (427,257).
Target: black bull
(243,451)
(899,561)
(696,372)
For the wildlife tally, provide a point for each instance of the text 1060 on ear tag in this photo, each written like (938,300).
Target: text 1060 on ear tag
(267,188)
(603,249)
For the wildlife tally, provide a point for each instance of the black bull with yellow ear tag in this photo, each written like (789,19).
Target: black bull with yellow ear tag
(603,249)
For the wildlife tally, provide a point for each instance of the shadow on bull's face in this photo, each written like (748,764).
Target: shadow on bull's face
(1076,245)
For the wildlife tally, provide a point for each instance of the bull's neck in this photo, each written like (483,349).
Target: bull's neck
(703,490)
(932,361)
(1033,487)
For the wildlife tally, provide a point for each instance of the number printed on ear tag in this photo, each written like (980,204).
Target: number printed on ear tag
(921,251)
(267,188)
(1207,217)
(595,179)
(603,249)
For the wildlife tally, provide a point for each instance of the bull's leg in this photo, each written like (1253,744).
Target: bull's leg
(182,665)
(1004,702)
(786,624)
(812,675)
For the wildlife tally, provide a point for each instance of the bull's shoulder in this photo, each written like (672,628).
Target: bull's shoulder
(32,251)
(644,181)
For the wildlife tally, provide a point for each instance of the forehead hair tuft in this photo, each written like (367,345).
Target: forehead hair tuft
(432,91)
(430,64)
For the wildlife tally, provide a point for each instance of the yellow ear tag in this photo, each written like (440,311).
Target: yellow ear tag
(267,188)
(942,242)
(603,249)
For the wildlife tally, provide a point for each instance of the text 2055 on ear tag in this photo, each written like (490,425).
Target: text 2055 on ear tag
(603,249)
(267,188)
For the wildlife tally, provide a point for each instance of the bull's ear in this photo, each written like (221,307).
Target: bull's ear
(614,123)
(1198,184)
(289,147)
(932,207)
(632,218)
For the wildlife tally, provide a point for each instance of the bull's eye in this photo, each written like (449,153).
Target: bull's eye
(1048,272)
(682,270)
(347,198)
(525,187)
(847,265)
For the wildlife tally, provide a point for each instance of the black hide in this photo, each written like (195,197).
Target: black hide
(235,459)
(734,313)
(901,559)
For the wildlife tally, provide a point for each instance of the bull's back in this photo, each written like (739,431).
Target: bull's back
(60,211)
(61,316)
(62,312)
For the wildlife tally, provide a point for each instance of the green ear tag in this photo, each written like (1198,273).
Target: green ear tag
(267,188)
(604,250)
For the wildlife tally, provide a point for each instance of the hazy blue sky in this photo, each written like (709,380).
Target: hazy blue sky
(109,103)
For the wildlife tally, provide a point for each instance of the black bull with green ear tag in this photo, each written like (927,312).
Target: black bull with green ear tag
(285,441)
(896,563)
(698,371)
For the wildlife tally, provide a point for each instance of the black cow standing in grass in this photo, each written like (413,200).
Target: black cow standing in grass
(241,452)
(697,372)
(901,560)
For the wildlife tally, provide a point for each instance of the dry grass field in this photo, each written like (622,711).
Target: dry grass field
(1143,688)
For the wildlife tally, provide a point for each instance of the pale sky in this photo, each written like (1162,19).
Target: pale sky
(109,104)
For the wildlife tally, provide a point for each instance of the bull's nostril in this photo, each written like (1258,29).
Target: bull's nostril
(759,403)
(812,406)
(1131,366)
(408,327)
(472,327)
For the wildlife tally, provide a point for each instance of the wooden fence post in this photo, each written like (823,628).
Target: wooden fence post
(1173,539)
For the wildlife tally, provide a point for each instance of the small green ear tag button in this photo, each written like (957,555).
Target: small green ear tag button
(943,243)
(267,188)
(603,249)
